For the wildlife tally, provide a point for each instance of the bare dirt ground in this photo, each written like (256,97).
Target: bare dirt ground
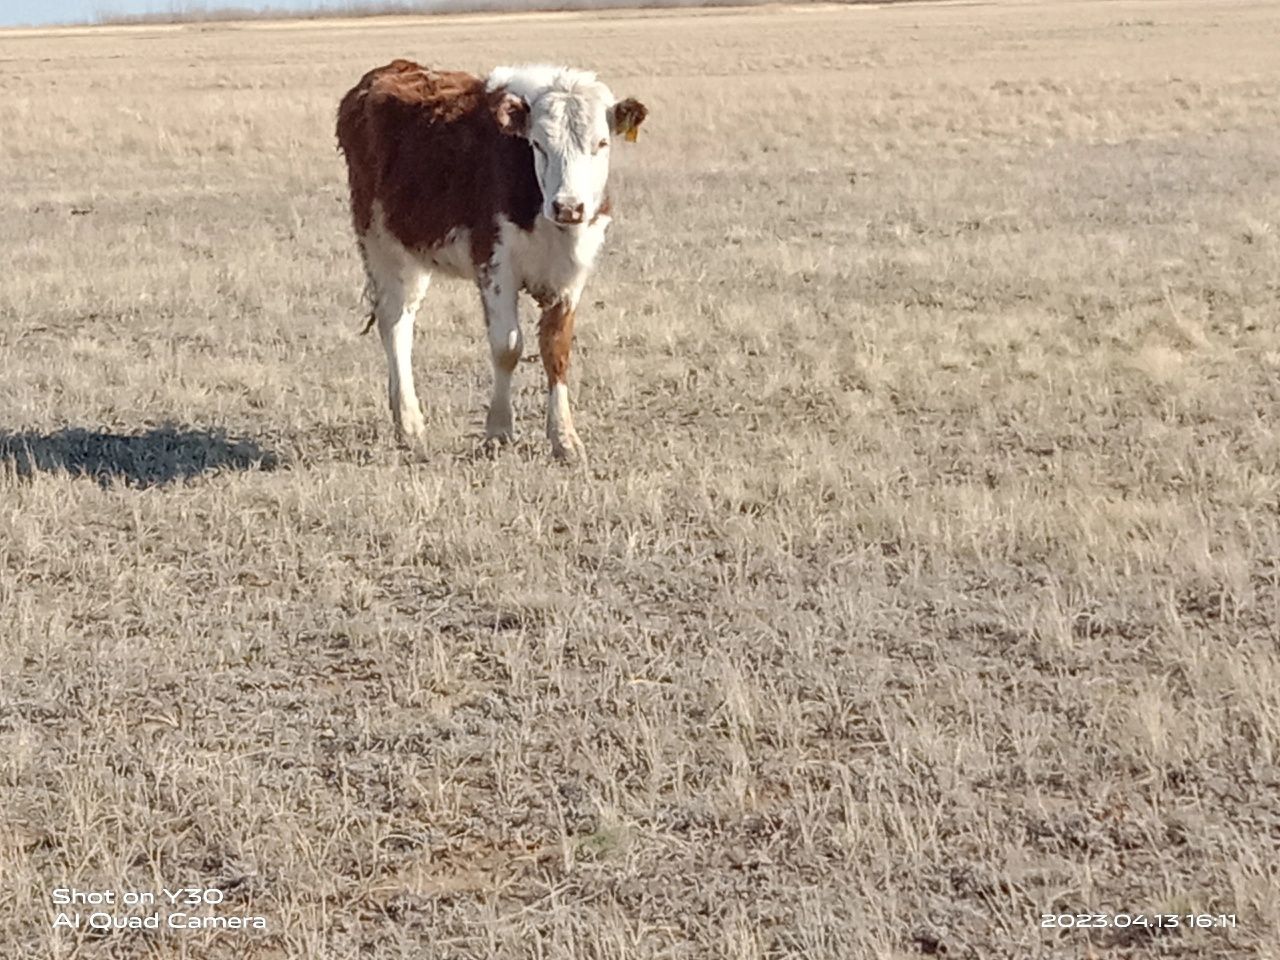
(922,578)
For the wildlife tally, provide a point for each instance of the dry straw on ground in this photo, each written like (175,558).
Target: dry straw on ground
(922,580)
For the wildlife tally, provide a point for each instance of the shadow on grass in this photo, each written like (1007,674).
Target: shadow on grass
(162,455)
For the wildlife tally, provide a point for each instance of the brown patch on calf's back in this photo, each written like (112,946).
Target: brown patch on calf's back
(425,145)
(353,141)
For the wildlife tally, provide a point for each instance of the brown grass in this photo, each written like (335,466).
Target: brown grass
(923,578)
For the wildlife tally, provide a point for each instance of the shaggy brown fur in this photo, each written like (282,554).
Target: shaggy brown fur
(430,147)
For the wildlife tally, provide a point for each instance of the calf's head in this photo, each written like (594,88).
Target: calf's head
(570,126)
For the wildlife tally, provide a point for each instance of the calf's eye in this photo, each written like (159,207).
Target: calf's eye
(602,144)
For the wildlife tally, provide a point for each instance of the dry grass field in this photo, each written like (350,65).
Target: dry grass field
(922,577)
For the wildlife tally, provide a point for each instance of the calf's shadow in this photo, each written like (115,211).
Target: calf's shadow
(158,456)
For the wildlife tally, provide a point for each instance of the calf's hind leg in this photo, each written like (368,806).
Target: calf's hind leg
(397,294)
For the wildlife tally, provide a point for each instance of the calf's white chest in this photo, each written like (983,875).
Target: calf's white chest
(552,262)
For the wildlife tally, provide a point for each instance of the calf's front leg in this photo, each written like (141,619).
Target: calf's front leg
(498,292)
(555,338)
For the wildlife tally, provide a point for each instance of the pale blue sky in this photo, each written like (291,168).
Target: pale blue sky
(18,12)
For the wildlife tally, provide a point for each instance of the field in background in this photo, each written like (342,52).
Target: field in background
(200,12)
(922,578)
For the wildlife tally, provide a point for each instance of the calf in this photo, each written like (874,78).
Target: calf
(501,180)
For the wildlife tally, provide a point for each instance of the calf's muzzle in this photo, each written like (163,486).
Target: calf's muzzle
(567,211)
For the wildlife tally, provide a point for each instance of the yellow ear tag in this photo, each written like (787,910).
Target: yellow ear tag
(630,135)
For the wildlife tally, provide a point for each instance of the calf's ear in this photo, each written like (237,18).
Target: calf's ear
(510,112)
(625,118)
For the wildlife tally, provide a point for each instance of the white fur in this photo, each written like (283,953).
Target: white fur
(564,439)
(499,292)
(528,80)
(552,261)
(569,131)
(399,284)
(453,256)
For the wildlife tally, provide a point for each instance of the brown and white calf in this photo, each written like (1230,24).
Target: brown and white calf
(499,179)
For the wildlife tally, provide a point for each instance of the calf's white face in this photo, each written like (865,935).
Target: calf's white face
(570,131)
(570,140)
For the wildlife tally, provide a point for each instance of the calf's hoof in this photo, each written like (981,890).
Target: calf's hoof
(567,448)
(499,428)
(411,432)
